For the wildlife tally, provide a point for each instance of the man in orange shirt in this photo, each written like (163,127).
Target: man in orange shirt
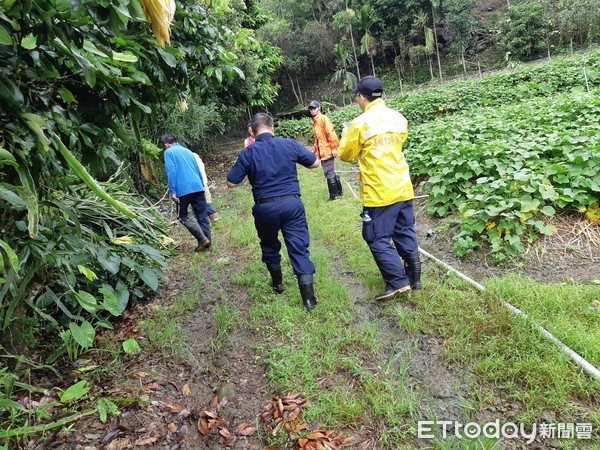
(325,147)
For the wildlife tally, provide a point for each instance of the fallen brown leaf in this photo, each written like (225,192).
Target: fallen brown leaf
(206,413)
(203,426)
(146,441)
(119,444)
(172,427)
(247,431)
(185,390)
(316,435)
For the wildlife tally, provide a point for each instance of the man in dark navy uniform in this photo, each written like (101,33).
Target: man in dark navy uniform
(270,164)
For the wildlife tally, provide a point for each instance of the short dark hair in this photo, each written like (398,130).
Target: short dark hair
(369,98)
(260,119)
(168,139)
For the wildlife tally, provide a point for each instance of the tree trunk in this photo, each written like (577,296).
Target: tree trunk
(437,50)
(462,56)
(400,79)
(299,90)
(430,68)
(293,87)
(136,163)
(354,50)
(372,65)
(571,46)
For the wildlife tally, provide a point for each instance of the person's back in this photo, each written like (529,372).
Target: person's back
(376,138)
(384,171)
(270,165)
(182,170)
(186,188)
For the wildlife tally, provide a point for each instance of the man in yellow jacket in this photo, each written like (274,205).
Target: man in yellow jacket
(376,138)
(325,147)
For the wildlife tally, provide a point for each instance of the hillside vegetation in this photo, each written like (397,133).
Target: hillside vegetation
(505,152)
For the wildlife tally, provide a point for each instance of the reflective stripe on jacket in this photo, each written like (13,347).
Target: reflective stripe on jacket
(376,138)
(326,140)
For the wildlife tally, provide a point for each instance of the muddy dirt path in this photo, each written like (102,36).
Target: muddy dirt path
(222,383)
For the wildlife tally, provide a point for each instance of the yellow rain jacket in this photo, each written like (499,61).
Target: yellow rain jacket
(376,138)
(326,140)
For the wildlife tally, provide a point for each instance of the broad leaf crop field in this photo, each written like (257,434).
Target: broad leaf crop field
(504,153)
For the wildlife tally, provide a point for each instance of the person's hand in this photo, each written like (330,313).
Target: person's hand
(174,198)
(334,153)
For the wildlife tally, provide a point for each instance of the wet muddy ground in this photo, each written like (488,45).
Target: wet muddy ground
(226,382)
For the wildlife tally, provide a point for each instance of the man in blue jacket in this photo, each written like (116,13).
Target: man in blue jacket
(270,165)
(186,188)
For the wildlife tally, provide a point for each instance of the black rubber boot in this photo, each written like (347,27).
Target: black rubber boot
(196,230)
(276,277)
(309,299)
(333,190)
(338,183)
(412,266)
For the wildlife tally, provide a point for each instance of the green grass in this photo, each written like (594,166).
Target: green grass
(564,310)
(353,357)
(163,327)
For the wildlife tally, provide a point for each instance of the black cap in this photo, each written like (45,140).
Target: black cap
(314,104)
(371,86)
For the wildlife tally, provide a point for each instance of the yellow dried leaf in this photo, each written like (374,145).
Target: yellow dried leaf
(160,14)
(185,390)
(592,213)
(122,240)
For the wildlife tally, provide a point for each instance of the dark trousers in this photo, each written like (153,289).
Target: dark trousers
(197,200)
(393,223)
(288,216)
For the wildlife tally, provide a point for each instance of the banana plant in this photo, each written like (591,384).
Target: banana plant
(368,40)
(342,75)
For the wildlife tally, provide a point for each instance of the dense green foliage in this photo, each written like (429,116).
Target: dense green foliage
(78,81)
(423,105)
(506,151)
(417,40)
(505,169)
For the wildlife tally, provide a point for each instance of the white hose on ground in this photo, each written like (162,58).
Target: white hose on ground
(352,190)
(575,357)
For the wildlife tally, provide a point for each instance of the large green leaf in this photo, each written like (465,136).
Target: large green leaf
(5,38)
(9,255)
(131,346)
(87,301)
(114,302)
(29,42)
(75,392)
(10,93)
(83,334)
(10,196)
(36,124)
(149,276)
(7,158)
